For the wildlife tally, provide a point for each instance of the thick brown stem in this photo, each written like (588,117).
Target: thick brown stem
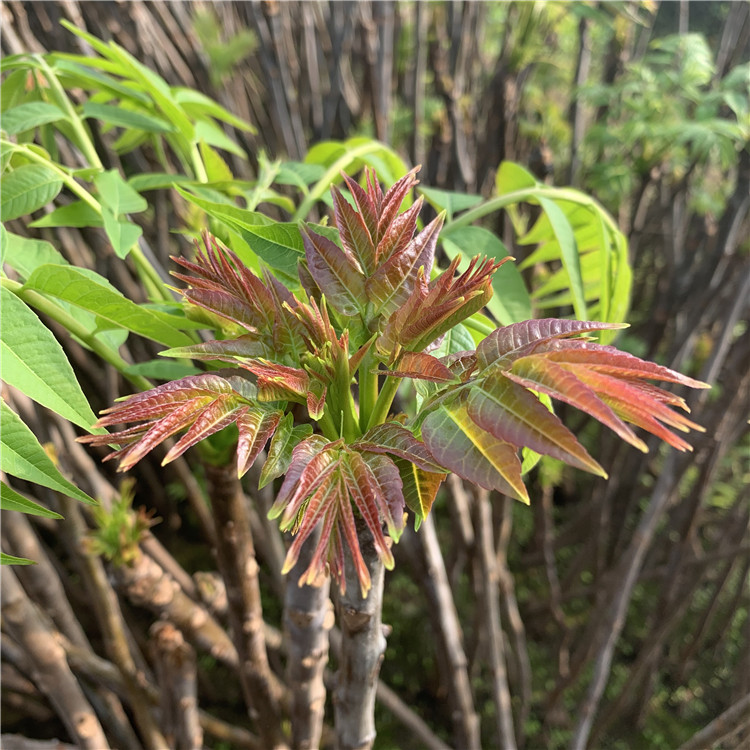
(117,640)
(236,558)
(308,617)
(178,692)
(362,649)
(148,585)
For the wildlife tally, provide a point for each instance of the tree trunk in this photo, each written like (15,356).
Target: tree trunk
(362,649)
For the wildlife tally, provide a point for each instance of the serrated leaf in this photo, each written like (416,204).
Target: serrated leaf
(391,284)
(22,456)
(395,439)
(335,272)
(76,214)
(12,500)
(612,361)
(542,375)
(35,363)
(420,487)
(27,188)
(256,426)
(285,439)
(96,295)
(515,339)
(30,115)
(421,366)
(221,412)
(117,195)
(472,453)
(511,413)
(355,236)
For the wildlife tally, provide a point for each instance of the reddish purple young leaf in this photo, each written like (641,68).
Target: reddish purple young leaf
(392,201)
(519,339)
(434,308)
(471,452)
(542,375)
(609,359)
(511,413)
(391,284)
(336,272)
(399,233)
(420,366)
(367,496)
(278,382)
(220,413)
(388,478)
(248,346)
(201,404)
(365,204)
(322,483)
(256,426)
(355,236)
(636,405)
(395,439)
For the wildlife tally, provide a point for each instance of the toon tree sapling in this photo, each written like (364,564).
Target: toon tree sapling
(318,372)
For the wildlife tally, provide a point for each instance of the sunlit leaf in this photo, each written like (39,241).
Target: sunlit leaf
(34,362)
(511,413)
(22,456)
(463,447)
(12,500)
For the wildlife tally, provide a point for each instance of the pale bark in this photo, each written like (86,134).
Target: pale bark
(178,690)
(50,669)
(362,649)
(308,618)
(239,568)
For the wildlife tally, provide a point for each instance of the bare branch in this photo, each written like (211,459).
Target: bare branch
(176,674)
(50,667)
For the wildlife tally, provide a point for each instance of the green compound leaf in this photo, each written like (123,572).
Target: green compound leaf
(93,293)
(76,214)
(22,456)
(11,500)
(26,189)
(117,195)
(125,118)
(568,253)
(29,116)
(34,362)
(122,234)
